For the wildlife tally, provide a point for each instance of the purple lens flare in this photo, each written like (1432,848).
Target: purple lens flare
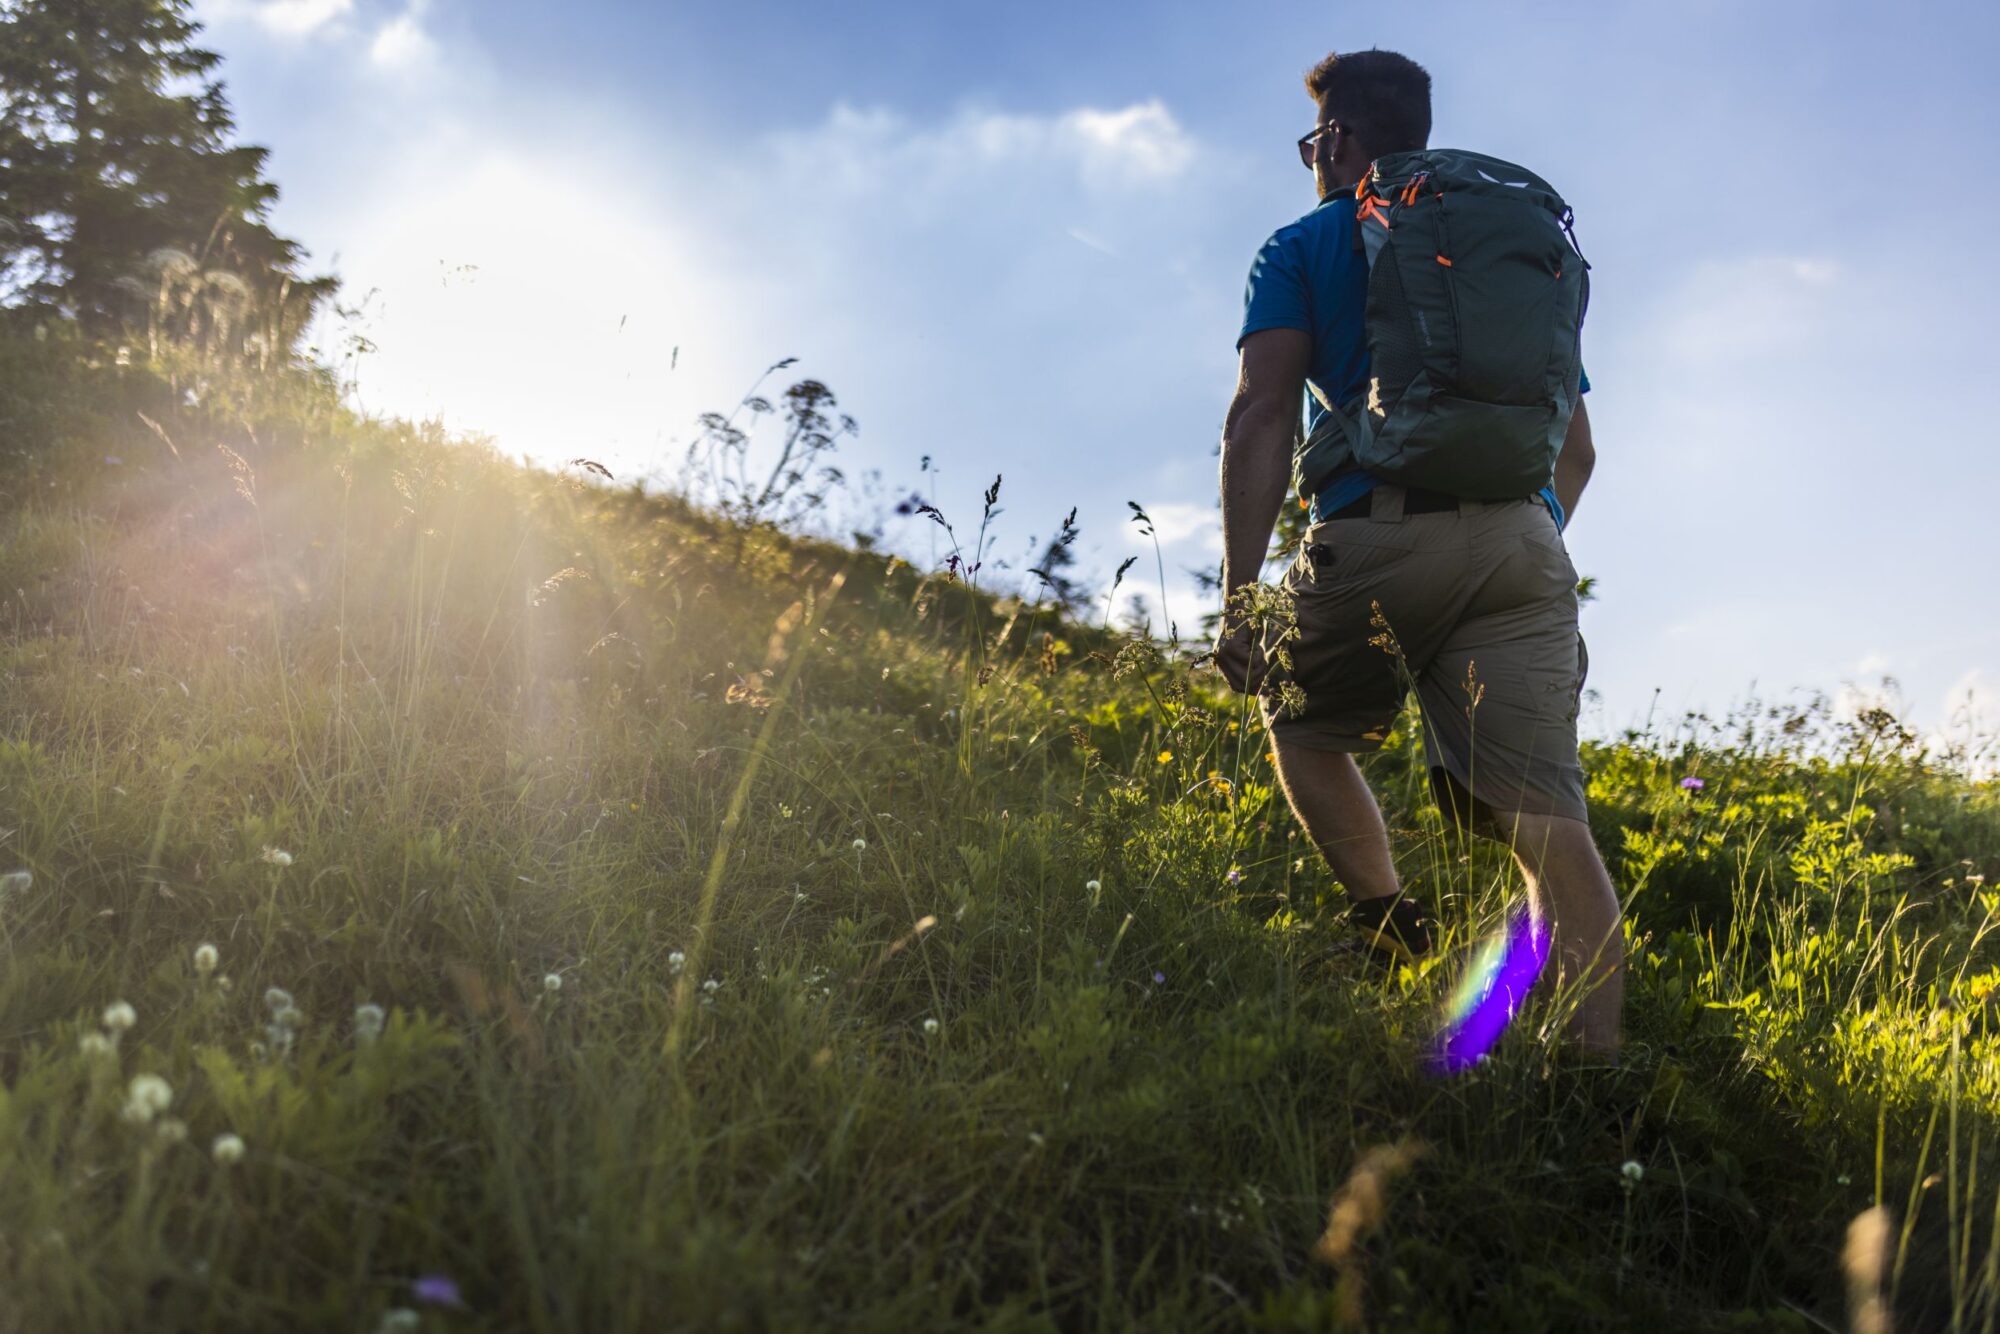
(1491,993)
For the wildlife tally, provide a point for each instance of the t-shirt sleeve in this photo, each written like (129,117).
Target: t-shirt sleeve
(1275,297)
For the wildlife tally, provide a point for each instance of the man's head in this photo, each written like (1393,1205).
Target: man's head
(1371,103)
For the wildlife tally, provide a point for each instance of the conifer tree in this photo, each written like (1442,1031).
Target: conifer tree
(123,201)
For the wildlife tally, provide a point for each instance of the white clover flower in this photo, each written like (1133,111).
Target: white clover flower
(275,856)
(930,1027)
(206,959)
(1632,1171)
(368,1021)
(277,998)
(552,982)
(226,1150)
(94,1045)
(676,961)
(119,1016)
(171,1130)
(1093,885)
(861,845)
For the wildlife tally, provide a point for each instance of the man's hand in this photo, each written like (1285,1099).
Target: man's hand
(1238,655)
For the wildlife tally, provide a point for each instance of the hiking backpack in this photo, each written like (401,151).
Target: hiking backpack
(1476,295)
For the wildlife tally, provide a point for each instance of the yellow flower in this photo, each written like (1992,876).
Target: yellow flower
(1166,755)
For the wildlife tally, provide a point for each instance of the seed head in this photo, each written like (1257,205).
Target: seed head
(145,1097)
(677,961)
(552,983)
(276,856)
(368,1020)
(171,1130)
(1093,885)
(277,998)
(206,959)
(94,1045)
(930,1027)
(1632,1171)
(119,1016)
(227,1150)
(861,845)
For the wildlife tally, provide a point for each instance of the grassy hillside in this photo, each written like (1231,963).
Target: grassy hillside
(617,918)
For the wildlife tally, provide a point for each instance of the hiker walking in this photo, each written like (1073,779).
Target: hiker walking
(1432,304)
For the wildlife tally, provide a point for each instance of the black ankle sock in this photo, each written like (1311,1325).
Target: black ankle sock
(1394,915)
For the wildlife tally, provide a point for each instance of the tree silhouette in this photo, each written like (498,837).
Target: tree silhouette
(123,202)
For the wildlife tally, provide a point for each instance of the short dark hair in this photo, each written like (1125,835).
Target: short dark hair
(1385,98)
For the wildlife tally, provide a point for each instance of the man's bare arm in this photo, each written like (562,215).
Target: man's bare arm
(1573,465)
(1257,440)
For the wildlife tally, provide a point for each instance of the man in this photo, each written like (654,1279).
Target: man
(1471,601)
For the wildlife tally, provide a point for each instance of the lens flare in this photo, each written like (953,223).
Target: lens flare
(1491,993)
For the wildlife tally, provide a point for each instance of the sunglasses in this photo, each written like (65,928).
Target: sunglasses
(1309,143)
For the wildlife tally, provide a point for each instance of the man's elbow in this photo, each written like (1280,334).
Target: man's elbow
(1260,418)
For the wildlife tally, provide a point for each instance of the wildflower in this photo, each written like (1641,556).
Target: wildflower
(930,1027)
(172,1130)
(1093,885)
(1692,784)
(94,1045)
(1235,877)
(227,1150)
(1166,756)
(712,985)
(119,1016)
(146,1096)
(368,1021)
(275,856)
(399,1320)
(277,998)
(1036,1138)
(436,1290)
(289,1017)
(16,882)
(552,983)
(676,961)
(1632,1171)
(206,959)
(861,845)
(1159,978)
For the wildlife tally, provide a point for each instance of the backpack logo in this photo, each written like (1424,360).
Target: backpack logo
(1517,185)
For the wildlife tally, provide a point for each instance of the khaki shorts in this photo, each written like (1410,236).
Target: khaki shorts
(1474,609)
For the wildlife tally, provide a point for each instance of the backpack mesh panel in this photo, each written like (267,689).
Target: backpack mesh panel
(1394,346)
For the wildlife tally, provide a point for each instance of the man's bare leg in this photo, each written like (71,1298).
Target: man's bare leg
(1341,817)
(1569,889)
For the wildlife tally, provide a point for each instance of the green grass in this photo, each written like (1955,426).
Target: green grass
(510,727)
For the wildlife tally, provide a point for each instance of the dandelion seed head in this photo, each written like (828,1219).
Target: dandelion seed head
(676,961)
(861,845)
(94,1045)
(552,982)
(171,1130)
(288,1018)
(1632,1171)
(119,1016)
(368,1021)
(1093,885)
(712,985)
(277,998)
(931,1027)
(206,958)
(226,1149)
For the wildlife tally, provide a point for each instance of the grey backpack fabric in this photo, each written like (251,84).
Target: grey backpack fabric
(1476,297)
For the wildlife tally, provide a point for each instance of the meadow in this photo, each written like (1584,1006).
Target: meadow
(447,894)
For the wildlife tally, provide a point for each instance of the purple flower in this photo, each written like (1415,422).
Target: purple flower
(1692,784)
(436,1290)
(1235,876)
(1159,979)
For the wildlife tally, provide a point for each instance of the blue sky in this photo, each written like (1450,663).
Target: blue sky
(1013,238)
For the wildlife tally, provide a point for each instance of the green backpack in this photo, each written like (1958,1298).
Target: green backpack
(1476,294)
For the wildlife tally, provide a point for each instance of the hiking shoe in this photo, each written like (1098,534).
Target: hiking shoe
(1393,928)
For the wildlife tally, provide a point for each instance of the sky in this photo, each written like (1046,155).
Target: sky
(1013,240)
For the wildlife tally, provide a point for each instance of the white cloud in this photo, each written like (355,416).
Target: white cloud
(1176,521)
(402,43)
(285,18)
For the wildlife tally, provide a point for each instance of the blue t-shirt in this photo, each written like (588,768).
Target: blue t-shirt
(1309,276)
